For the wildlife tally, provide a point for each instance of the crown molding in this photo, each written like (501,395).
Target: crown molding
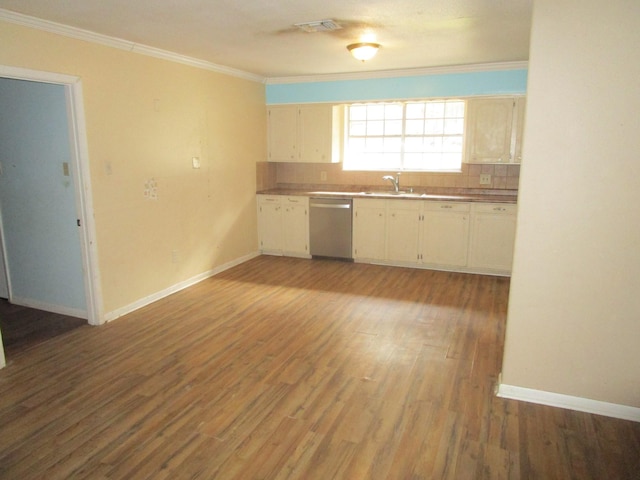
(409,72)
(86,35)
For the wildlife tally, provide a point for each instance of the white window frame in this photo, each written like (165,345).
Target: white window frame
(376,149)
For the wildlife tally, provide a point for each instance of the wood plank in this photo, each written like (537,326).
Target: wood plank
(295,369)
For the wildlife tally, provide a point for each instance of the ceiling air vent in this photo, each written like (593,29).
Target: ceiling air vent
(319,26)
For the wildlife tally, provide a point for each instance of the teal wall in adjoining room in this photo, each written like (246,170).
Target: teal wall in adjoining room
(501,82)
(37,199)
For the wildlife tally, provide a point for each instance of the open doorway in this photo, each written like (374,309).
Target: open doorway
(76,264)
(24,327)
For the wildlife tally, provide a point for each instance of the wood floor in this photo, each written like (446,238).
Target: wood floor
(294,369)
(24,327)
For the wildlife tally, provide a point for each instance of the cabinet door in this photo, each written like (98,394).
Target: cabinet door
(295,226)
(369,225)
(518,127)
(445,238)
(270,225)
(283,134)
(403,230)
(492,237)
(314,133)
(489,124)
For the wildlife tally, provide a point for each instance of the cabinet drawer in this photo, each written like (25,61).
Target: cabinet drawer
(269,198)
(405,204)
(447,207)
(296,200)
(369,203)
(495,208)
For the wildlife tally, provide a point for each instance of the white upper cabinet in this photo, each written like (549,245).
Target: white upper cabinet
(315,134)
(304,133)
(283,134)
(494,130)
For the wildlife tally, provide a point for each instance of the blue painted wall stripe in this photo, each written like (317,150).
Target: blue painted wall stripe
(504,82)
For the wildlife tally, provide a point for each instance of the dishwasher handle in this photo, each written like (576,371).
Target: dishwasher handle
(330,205)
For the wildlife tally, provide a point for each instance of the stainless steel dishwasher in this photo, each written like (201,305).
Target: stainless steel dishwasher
(330,227)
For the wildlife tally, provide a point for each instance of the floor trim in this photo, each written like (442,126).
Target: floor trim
(580,404)
(108,317)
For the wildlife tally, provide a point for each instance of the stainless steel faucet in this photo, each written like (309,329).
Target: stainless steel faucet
(395,180)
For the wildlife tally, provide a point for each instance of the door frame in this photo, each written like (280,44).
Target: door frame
(79,163)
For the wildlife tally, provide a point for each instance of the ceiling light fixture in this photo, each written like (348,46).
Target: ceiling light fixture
(363,50)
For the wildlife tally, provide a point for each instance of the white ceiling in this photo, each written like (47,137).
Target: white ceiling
(258,36)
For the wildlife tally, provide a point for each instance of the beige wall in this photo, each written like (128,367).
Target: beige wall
(146,118)
(574,313)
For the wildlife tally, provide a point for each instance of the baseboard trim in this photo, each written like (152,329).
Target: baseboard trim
(436,267)
(559,400)
(49,307)
(143,302)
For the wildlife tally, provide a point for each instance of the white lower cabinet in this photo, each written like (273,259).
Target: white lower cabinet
(493,230)
(295,226)
(445,233)
(452,236)
(283,225)
(403,231)
(270,224)
(386,230)
(369,229)
(455,236)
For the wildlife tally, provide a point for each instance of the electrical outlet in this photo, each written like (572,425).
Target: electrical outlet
(323,176)
(485,179)
(195,162)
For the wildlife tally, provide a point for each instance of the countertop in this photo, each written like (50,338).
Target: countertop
(443,195)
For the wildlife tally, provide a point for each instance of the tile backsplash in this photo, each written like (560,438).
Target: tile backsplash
(289,175)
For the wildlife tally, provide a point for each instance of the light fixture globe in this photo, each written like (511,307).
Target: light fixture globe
(363,50)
